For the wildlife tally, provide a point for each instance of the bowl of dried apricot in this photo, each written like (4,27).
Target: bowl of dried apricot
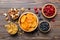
(28,22)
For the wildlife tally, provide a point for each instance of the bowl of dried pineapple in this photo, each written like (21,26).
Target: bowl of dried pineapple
(28,21)
(11,28)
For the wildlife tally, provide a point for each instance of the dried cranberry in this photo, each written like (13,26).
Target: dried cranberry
(28,8)
(46,14)
(49,10)
(53,20)
(35,8)
(36,12)
(40,8)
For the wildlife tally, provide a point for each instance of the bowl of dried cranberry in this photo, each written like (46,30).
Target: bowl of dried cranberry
(44,26)
(49,10)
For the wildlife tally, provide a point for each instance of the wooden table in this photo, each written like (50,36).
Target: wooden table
(54,34)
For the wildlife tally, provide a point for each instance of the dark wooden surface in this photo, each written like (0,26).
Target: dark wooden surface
(54,34)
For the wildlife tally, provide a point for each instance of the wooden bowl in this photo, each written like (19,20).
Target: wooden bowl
(20,23)
(48,29)
(44,13)
(13,13)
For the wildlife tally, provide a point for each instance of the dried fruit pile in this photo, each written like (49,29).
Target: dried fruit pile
(28,21)
(49,10)
(44,27)
(11,28)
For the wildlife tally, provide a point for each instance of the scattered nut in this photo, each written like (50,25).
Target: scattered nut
(6,18)
(5,14)
(20,33)
(22,9)
(13,13)
(15,9)
(9,21)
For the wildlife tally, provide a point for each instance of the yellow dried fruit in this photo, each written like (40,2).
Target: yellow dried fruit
(11,28)
(6,18)
(22,9)
(23,18)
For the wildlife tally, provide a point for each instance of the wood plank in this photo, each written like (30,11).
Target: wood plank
(5,5)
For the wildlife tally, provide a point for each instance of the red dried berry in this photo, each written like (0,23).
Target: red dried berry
(49,10)
(36,12)
(29,8)
(40,8)
(35,8)
(53,20)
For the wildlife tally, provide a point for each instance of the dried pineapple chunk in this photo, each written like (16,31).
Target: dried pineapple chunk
(9,31)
